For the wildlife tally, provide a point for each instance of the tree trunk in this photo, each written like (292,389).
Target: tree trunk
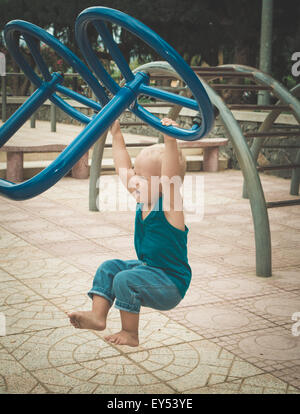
(241,57)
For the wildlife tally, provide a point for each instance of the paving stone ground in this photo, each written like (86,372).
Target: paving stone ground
(232,333)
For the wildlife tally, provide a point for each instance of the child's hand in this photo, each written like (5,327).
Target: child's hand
(168,122)
(115,128)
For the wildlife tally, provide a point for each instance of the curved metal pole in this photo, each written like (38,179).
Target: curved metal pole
(258,142)
(27,109)
(285,97)
(247,165)
(295,180)
(79,146)
(266,80)
(162,48)
(255,190)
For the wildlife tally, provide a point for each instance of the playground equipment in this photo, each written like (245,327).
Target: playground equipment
(107,110)
(287,103)
(251,177)
(125,96)
(247,156)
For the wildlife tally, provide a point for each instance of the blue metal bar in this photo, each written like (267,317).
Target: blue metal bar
(28,108)
(79,98)
(24,27)
(146,116)
(186,135)
(105,14)
(37,56)
(114,50)
(74,113)
(169,97)
(65,161)
(92,59)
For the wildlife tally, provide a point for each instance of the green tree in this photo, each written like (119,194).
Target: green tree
(200,30)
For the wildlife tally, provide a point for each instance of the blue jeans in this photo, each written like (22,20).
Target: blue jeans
(132,284)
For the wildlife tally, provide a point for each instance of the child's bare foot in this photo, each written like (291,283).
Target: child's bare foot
(124,338)
(87,320)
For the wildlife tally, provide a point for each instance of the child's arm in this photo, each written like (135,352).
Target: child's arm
(122,160)
(171,180)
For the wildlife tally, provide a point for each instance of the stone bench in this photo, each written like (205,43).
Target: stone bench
(15,156)
(210,151)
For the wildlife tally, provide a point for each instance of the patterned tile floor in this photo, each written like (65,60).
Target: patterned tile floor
(232,333)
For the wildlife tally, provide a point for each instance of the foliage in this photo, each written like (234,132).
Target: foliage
(202,31)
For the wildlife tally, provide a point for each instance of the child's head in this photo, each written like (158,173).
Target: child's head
(147,167)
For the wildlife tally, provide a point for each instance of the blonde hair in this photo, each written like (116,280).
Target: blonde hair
(156,152)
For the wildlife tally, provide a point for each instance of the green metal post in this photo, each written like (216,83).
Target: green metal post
(265,57)
(53,117)
(33,117)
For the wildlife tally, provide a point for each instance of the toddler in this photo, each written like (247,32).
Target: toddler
(161,275)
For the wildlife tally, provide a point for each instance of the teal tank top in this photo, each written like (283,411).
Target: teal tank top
(158,243)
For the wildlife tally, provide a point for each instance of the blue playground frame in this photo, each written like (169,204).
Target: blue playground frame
(108,110)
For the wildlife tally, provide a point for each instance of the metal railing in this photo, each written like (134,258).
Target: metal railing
(53,113)
(87,92)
